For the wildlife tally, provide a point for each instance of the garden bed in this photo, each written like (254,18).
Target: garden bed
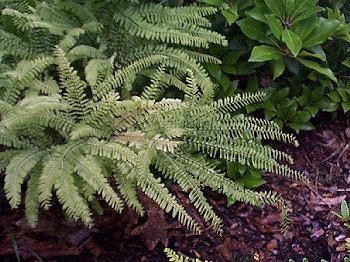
(249,233)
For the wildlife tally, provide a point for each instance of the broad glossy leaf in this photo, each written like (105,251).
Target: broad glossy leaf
(231,57)
(301,117)
(320,69)
(292,65)
(213,2)
(304,53)
(252,179)
(278,67)
(324,29)
(230,14)
(344,210)
(214,70)
(276,7)
(346,106)
(293,41)
(253,29)
(313,110)
(275,25)
(289,7)
(347,62)
(264,53)
(229,69)
(301,6)
(258,13)
(327,105)
(334,96)
(302,30)
(344,93)
(310,12)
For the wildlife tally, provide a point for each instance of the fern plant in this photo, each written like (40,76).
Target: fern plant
(78,120)
(173,256)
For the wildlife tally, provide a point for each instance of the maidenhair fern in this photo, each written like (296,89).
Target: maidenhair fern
(82,113)
(173,256)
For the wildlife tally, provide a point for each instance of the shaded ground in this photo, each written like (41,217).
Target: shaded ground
(250,234)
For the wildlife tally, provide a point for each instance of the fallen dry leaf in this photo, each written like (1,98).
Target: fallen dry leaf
(271,245)
(155,229)
(333,201)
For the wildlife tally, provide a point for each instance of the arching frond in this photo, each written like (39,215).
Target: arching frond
(90,171)
(16,171)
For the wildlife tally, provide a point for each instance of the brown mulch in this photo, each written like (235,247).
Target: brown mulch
(250,233)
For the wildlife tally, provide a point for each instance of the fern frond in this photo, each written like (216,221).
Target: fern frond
(24,74)
(247,153)
(84,51)
(20,5)
(175,257)
(176,58)
(194,10)
(90,171)
(202,58)
(28,21)
(208,176)
(6,157)
(177,172)
(165,80)
(42,103)
(127,186)
(239,127)
(154,90)
(126,74)
(157,191)
(131,19)
(73,85)
(70,39)
(47,119)
(59,163)
(95,68)
(13,45)
(72,202)
(161,14)
(16,171)
(32,198)
(110,150)
(82,131)
(47,87)
(8,138)
(219,108)
(146,111)
(4,107)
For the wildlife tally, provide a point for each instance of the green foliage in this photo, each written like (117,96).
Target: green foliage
(279,27)
(175,257)
(344,214)
(278,44)
(91,111)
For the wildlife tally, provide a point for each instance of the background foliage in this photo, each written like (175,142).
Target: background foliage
(297,51)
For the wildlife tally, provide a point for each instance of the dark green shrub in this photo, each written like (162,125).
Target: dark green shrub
(291,49)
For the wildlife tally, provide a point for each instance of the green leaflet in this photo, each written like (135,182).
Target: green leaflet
(324,29)
(264,53)
(275,25)
(278,67)
(253,29)
(317,67)
(293,41)
(276,7)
